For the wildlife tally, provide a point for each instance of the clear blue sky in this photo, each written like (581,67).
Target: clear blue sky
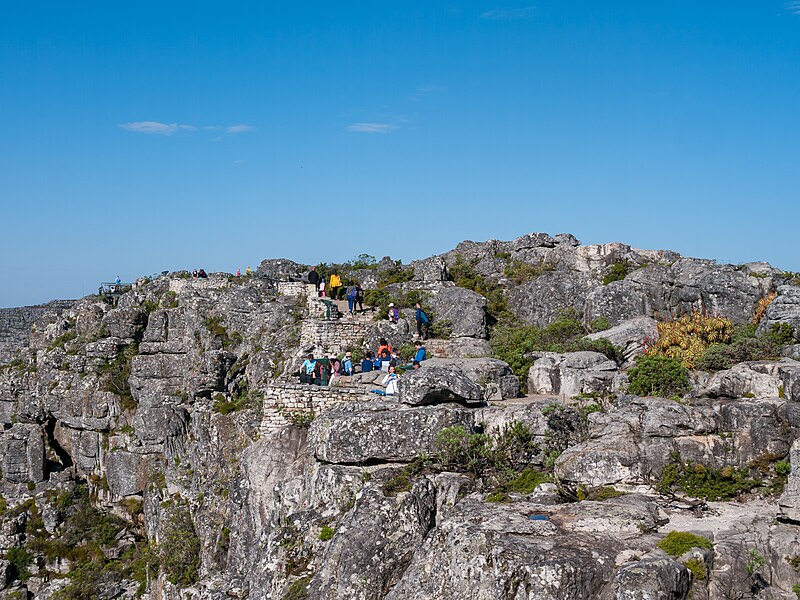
(144,136)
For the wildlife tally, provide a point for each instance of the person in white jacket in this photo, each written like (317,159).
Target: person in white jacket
(390,382)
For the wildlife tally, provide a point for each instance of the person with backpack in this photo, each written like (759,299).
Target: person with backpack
(423,322)
(352,293)
(394,314)
(347,364)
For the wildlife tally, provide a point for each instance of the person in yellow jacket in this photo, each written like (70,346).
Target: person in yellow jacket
(334,285)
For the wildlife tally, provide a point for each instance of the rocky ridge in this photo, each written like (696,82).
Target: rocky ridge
(136,462)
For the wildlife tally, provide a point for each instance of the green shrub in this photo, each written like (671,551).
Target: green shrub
(599,324)
(20,560)
(298,590)
(677,543)
(180,548)
(326,533)
(658,376)
(697,568)
(460,450)
(522,272)
(397,484)
(526,482)
(618,271)
(743,346)
(700,481)
(500,497)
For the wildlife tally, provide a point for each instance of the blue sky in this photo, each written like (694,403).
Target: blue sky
(140,137)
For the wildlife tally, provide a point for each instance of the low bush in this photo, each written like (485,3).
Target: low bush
(700,481)
(618,271)
(326,533)
(744,345)
(658,376)
(697,568)
(677,543)
(180,548)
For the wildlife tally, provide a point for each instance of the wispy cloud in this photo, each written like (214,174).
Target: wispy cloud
(793,7)
(158,128)
(425,90)
(242,128)
(509,14)
(372,127)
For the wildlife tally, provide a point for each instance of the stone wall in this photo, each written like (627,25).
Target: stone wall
(282,400)
(333,336)
(296,288)
(15,326)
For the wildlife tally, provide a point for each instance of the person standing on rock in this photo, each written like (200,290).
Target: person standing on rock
(423,322)
(308,369)
(351,295)
(321,288)
(334,285)
(360,297)
(313,277)
(202,274)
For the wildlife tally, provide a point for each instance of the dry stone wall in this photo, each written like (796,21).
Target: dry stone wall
(288,402)
(333,336)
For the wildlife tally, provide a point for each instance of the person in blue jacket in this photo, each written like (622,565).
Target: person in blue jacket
(423,322)
(421,353)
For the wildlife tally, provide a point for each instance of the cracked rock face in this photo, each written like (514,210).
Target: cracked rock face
(149,421)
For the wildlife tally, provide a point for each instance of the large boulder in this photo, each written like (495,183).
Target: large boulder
(785,308)
(464,311)
(493,375)
(435,384)
(618,301)
(499,552)
(650,578)
(757,379)
(574,373)
(431,269)
(631,336)
(381,432)
(542,300)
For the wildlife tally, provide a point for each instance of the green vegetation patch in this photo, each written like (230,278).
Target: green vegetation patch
(677,543)
(700,481)
(514,343)
(658,376)
(180,548)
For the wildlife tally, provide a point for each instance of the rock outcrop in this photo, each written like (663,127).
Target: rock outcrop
(158,444)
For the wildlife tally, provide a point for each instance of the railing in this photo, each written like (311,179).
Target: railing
(113,288)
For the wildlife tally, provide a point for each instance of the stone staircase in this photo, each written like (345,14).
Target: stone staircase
(438,348)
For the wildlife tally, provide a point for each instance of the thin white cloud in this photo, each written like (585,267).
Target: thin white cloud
(153,127)
(372,127)
(241,128)
(509,14)
(424,90)
(793,7)
(159,128)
